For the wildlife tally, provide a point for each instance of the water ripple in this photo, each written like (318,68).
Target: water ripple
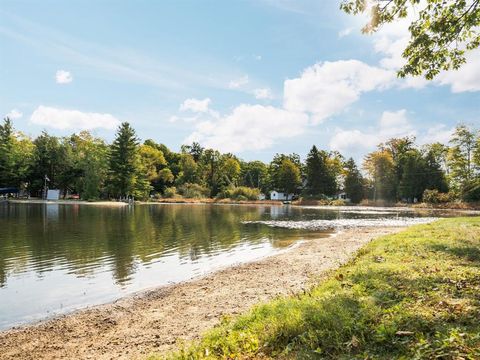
(344,223)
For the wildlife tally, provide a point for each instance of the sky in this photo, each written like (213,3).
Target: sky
(251,77)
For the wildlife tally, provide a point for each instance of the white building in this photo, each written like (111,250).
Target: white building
(53,194)
(342,196)
(275,195)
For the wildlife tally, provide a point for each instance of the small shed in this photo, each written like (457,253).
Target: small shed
(53,194)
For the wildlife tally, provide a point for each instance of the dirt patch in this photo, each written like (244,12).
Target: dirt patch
(158,320)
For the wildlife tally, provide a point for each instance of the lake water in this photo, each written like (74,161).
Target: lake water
(56,258)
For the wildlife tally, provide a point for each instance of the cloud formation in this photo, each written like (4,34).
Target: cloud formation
(72,119)
(392,124)
(14,114)
(63,77)
(391,40)
(355,141)
(195,105)
(263,94)
(325,89)
(345,32)
(249,127)
(238,83)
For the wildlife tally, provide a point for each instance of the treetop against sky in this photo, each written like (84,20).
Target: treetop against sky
(250,77)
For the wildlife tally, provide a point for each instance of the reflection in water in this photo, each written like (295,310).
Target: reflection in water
(55,258)
(61,257)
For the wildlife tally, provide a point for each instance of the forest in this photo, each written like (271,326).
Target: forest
(88,167)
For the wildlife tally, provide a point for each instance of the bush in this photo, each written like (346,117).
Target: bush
(170,192)
(472,192)
(240,193)
(307,196)
(338,202)
(435,197)
(193,191)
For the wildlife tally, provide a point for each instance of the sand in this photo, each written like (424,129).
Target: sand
(68,202)
(160,319)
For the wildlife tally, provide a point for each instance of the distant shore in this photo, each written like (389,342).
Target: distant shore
(457,207)
(67,202)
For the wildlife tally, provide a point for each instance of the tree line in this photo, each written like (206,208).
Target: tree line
(398,170)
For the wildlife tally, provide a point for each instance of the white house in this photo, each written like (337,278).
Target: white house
(275,195)
(342,196)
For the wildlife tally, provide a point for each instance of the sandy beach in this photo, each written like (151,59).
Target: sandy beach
(68,202)
(160,319)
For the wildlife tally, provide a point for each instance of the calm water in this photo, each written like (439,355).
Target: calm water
(56,258)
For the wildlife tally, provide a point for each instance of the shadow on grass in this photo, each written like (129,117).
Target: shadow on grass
(402,298)
(375,319)
(470,253)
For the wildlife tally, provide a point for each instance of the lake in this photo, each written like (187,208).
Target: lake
(56,258)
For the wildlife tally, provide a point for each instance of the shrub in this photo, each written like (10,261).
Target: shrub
(435,197)
(240,193)
(242,198)
(472,192)
(193,191)
(338,202)
(307,196)
(170,192)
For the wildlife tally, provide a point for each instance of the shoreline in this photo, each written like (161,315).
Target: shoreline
(160,319)
(68,202)
(414,208)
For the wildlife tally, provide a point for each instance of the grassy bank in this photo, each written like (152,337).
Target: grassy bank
(411,295)
(453,205)
(211,201)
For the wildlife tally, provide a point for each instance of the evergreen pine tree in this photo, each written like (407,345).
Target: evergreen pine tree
(353,182)
(124,161)
(320,177)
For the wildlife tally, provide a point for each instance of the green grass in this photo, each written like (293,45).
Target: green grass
(413,295)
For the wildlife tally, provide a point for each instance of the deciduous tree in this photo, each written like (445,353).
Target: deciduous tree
(441,33)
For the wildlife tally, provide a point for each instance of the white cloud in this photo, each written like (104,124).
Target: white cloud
(394,123)
(438,133)
(263,93)
(195,105)
(467,78)
(63,77)
(392,39)
(238,83)
(185,119)
(14,114)
(325,89)
(72,119)
(249,127)
(345,32)
(199,108)
(354,141)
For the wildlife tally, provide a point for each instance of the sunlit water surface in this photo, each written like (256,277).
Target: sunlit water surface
(57,258)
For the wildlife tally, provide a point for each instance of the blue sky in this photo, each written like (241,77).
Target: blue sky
(250,77)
